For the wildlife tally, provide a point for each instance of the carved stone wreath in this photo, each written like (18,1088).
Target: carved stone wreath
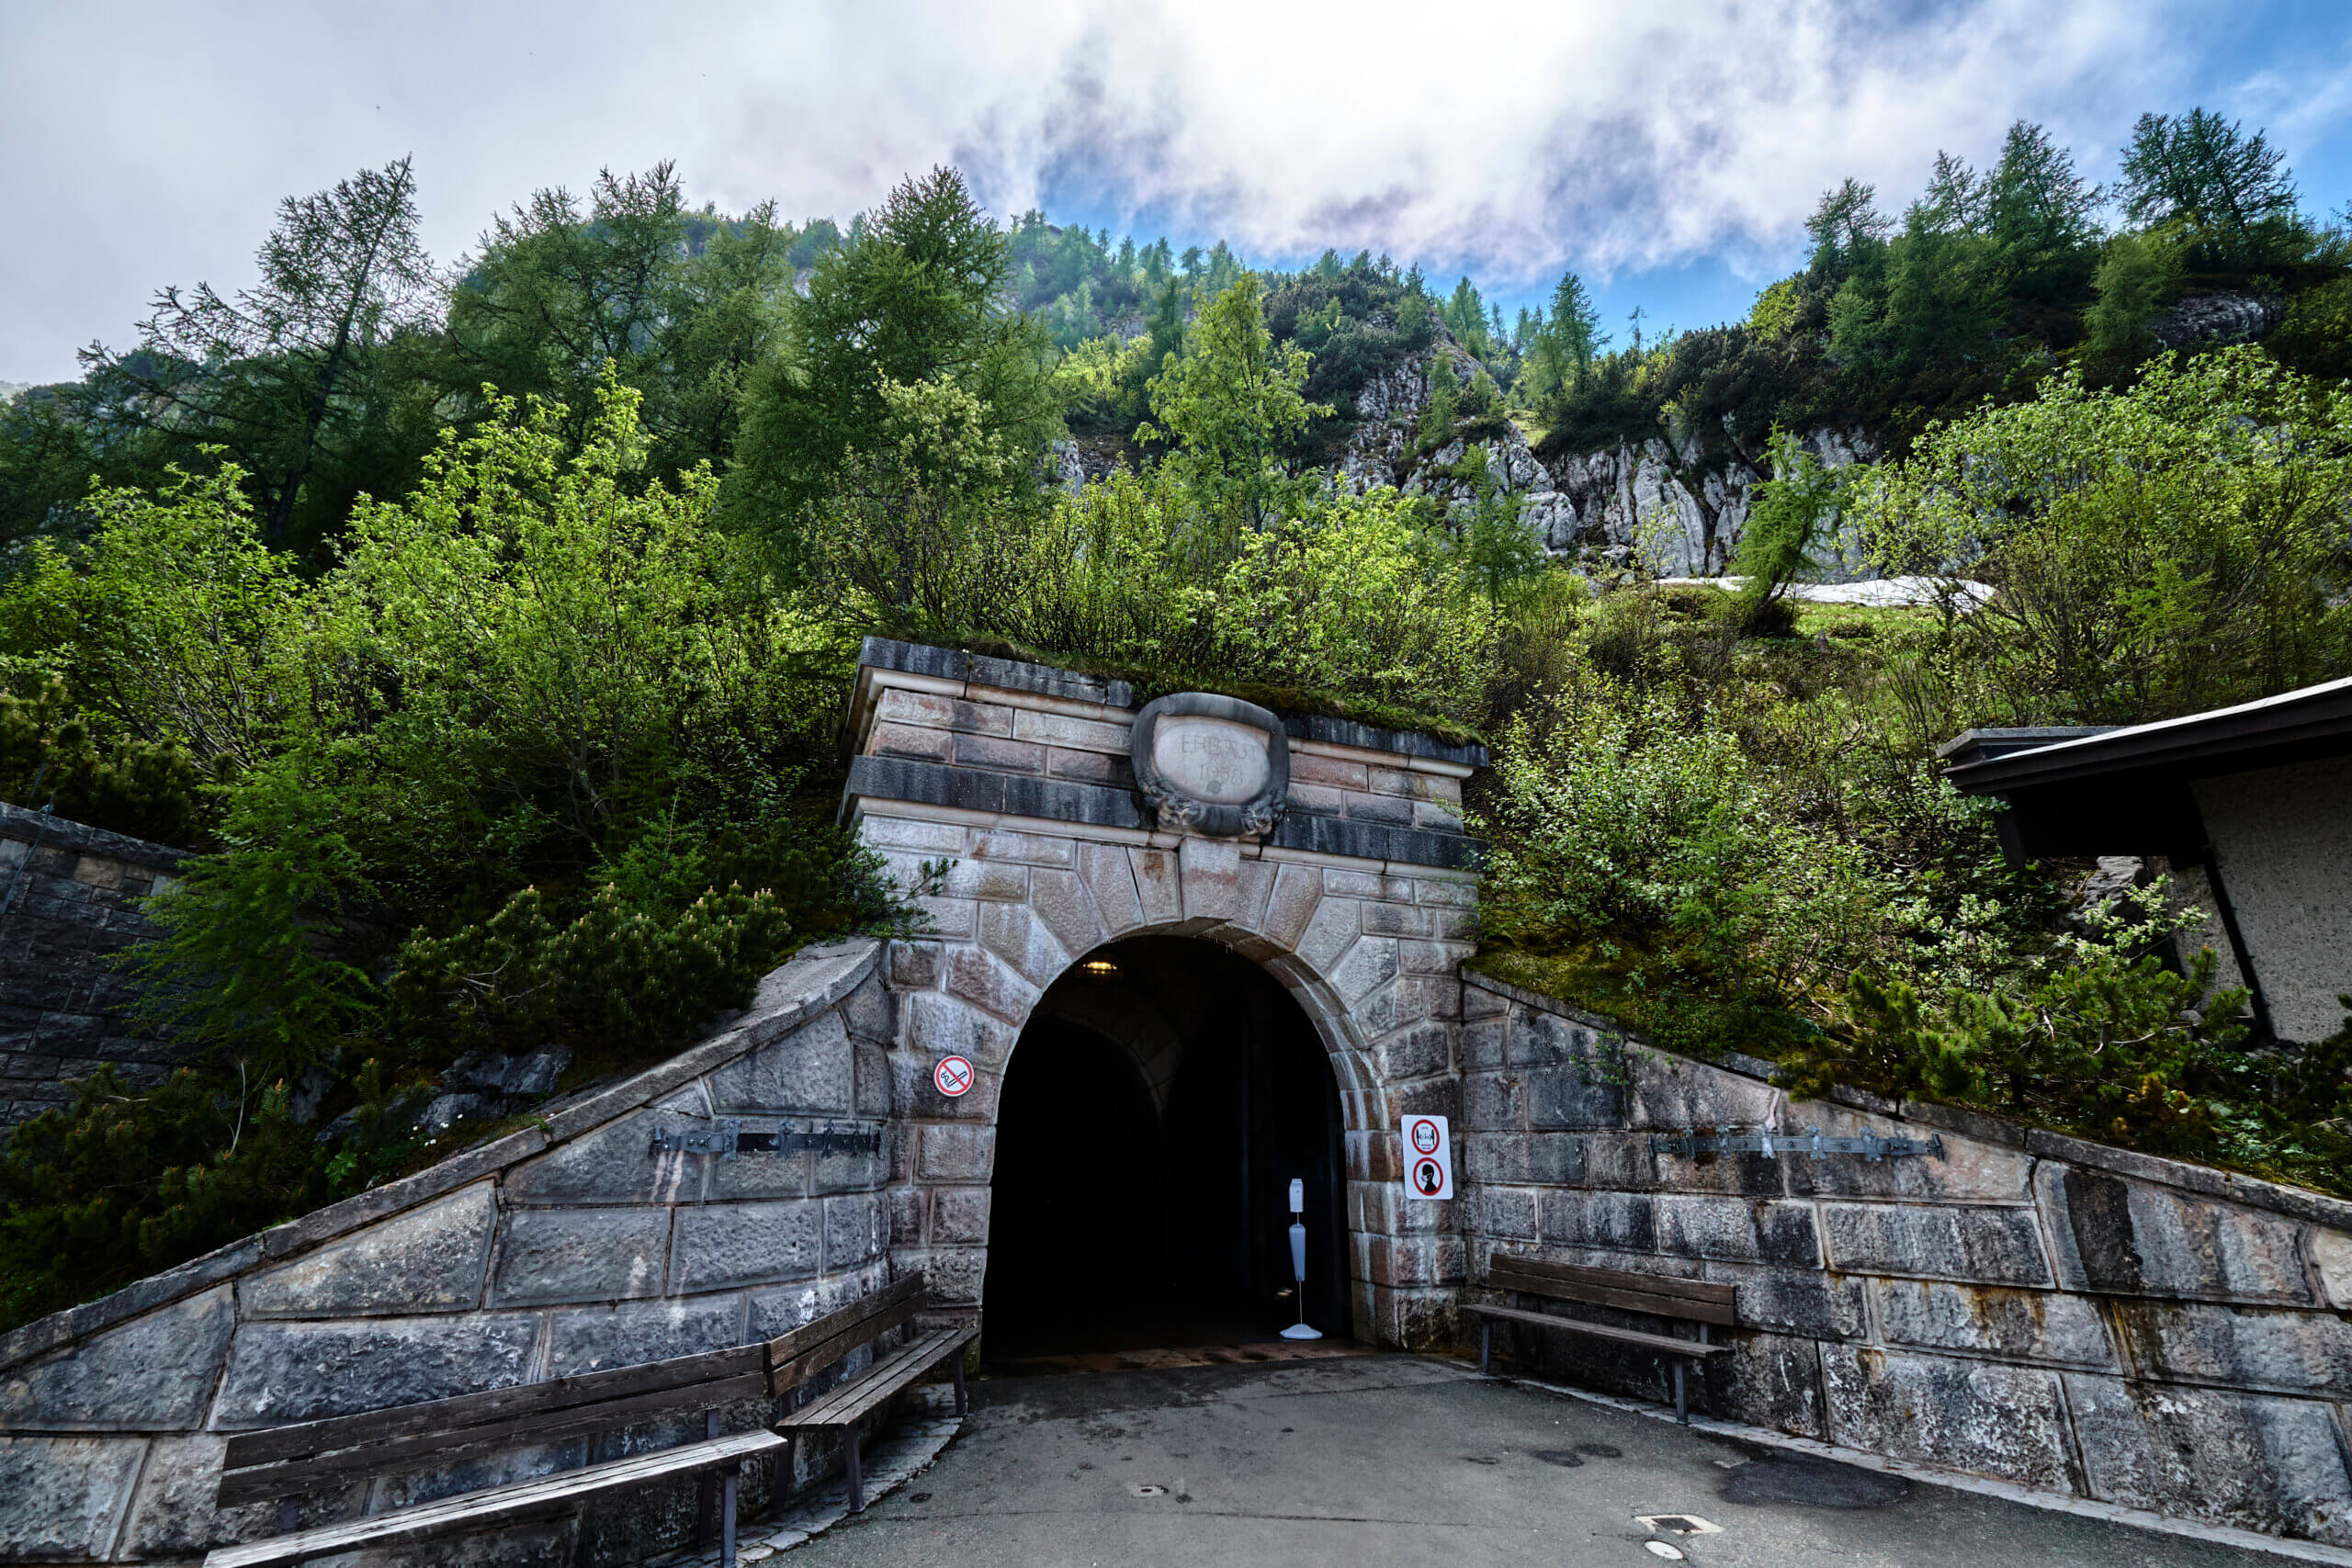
(1215,766)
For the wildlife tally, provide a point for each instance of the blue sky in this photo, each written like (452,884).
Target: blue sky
(1667,150)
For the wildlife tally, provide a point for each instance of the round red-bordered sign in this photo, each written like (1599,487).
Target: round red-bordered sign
(1425,1136)
(953,1077)
(1428,1178)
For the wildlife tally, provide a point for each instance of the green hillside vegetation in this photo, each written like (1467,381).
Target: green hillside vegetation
(490,642)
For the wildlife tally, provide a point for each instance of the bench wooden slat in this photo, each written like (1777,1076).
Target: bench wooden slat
(1629,1292)
(256,1484)
(1654,1285)
(813,1334)
(277,1444)
(1665,1343)
(887,1377)
(553,1494)
(786,1375)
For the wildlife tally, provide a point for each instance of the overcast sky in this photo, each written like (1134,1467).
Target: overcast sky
(1668,149)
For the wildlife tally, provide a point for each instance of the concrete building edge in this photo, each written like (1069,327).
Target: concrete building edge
(1963,1481)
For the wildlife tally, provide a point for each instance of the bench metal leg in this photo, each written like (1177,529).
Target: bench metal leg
(955,1370)
(1485,1345)
(728,1485)
(703,1488)
(856,1477)
(1681,1410)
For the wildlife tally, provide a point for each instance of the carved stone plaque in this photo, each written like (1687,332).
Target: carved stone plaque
(1212,765)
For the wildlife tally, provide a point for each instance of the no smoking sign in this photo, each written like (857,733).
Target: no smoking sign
(1429,1159)
(953,1077)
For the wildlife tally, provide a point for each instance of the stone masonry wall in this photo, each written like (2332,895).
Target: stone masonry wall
(568,1247)
(1015,779)
(63,1006)
(2030,1307)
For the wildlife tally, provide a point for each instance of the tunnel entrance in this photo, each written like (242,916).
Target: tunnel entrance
(1162,1098)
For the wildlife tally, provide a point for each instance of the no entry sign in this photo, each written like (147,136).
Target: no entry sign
(1429,1159)
(953,1077)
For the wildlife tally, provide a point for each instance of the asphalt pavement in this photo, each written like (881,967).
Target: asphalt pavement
(1365,1460)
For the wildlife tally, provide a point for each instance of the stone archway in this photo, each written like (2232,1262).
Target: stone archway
(1001,795)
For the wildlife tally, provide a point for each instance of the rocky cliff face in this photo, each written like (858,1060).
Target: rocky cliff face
(1656,504)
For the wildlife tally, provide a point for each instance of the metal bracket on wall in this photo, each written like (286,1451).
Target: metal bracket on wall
(727,1138)
(1771,1145)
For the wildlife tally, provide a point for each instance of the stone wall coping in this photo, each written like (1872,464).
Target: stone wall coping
(58,832)
(2204,1181)
(1068,685)
(812,980)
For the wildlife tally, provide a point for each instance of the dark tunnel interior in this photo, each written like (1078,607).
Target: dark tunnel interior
(1163,1096)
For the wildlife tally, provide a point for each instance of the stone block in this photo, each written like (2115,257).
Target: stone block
(158,1370)
(913,965)
(930,841)
(2005,1422)
(64,1497)
(284,1372)
(1575,1096)
(1417,1052)
(1059,899)
(1971,1171)
(1540,1159)
(942,712)
(955,1274)
(580,1255)
(1625,1159)
(1077,734)
(1989,1320)
(998,756)
(953,1152)
(1482,1045)
(1505,1213)
(854,1230)
(1617,1222)
(911,741)
(843,1172)
(757,1176)
(1157,885)
(1090,767)
(1795,1300)
(591,1339)
(1330,932)
(872,1064)
(1028,849)
(1023,941)
(2332,1256)
(1491,1101)
(959,1216)
(1389,810)
(727,1245)
(2257,1462)
(1110,878)
(869,1011)
(946,917)
(616,1163)
(1737,1230)
(1671,1094)
(786,1307)
(2245,1347)
(977,975)
(1769,1380)
(1985,1245)
(430,1260)
(174,1513)
(1291,904)
(907,1207)
(2110,1234)
(1335,772)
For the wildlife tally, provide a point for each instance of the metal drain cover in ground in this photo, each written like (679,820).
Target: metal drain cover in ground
(1814,1483)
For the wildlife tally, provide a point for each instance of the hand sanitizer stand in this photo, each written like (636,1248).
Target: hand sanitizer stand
(1299,1262)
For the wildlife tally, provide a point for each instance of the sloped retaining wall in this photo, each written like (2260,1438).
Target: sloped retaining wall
(73,895)
(2030,1307)
(563,1247)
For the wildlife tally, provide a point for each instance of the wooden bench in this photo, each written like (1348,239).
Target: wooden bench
(286,1462)
(1686,1301)
(799,1354)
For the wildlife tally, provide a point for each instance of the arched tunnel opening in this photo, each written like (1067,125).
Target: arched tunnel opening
(1163,1096)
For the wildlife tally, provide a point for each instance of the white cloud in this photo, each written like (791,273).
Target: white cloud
(148,143)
